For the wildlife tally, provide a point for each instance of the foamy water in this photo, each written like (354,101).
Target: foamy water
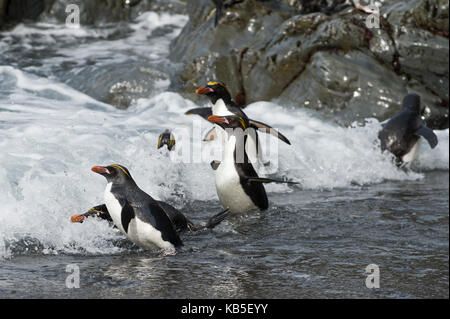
(52,134)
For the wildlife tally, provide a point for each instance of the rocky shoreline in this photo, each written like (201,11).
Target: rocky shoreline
(295,53)
(329,62)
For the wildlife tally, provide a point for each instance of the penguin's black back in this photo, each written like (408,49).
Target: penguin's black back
(400,129)
(179,221)
(149,210)
(255,191)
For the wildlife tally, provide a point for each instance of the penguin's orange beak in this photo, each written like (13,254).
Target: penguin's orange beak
(204,90)
(77,218)
(218,119)
(100,170)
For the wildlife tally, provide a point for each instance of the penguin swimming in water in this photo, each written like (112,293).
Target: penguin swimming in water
(137,215)
(166,138)
(401,134)
(134,212)
(223,105)
(179,221)
(239,187)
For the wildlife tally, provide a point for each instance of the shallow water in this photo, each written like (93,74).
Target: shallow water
(311,245)
(353,207)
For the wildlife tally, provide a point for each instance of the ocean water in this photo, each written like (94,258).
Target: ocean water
(353,206)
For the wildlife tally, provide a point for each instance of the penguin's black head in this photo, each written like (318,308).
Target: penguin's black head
(166,138)
(215,90)
(231,121)
(114,173)
(412,103)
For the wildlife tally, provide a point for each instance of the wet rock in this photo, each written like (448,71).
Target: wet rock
(19,10)
(2,12)
(118,84)
(328,61)
(246,24)
(91,12)
(346,86)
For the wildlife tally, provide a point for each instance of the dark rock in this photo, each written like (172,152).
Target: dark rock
(91,12)
(117,84)
(2,12)
(328,61)
(19,10)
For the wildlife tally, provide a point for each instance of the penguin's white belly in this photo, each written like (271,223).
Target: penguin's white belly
(141,233)
(114,208)
(229,189)
(411,155)
(146,236)
(220,108)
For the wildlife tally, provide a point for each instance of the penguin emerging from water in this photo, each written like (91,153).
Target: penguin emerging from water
(239,187)
(179,221)
(134,212)
(137,215)
(166,138)
(223,105)
(401,134)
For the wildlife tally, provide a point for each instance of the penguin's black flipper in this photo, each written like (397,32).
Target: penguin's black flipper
(179,221)
(99,211)
(211,135)
(267,180)
(212,222)
(204,112)
(215,164)
(428,134)
(159,219)
(166,138)
(127,215)
(268,129)
(217,219)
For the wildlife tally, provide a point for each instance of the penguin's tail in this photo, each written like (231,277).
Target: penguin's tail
(217,219)
(211,223)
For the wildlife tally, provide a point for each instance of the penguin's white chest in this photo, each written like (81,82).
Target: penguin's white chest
(411,155)
(230,191)
(114,208)
(220,108)
(140,232)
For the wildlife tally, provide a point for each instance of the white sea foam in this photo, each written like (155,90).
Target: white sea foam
(51,135)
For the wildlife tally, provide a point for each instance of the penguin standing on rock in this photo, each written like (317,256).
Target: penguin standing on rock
(401,134)
(239,187)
